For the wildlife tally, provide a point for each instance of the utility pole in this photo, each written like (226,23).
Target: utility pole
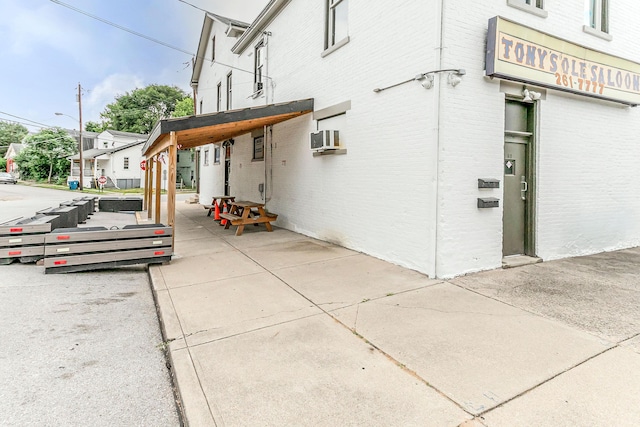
(80,131)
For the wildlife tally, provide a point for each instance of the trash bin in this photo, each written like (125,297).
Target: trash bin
(73,185)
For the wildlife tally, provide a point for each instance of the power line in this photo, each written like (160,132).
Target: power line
(135,33)
(120,27)
(22,118)
(194,6)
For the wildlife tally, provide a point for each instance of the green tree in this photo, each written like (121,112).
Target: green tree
(94,127)
(45,153)
(184,108)
(3,164)
(10,133)
(139,110)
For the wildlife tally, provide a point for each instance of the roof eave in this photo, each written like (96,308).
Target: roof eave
(270,11)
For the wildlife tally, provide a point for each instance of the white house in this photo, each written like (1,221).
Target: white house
(470,133)
(113,154)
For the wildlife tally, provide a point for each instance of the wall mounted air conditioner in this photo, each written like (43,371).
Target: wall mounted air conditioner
(324,140)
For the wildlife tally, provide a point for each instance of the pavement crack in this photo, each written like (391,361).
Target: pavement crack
(449,311)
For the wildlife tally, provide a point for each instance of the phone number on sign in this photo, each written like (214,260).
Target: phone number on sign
(583,84)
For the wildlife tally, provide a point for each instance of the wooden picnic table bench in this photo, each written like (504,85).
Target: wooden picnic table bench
(221,200)
(244,213)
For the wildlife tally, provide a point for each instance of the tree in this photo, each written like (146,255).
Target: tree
(3,165)
(45,154)
(10,133)
(139,110)
(95,127)
(184,108)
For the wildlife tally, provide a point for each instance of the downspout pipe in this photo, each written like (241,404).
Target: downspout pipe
(441,85)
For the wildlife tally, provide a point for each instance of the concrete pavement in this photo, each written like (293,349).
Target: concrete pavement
(278,329)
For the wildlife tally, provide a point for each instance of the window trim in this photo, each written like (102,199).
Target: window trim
(219,99)
(331,45)
(205,157)
(229,90)
(531,8)
(258,139)
(258,66)
(216,154)
(595,25)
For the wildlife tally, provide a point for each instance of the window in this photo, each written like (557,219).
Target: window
(205,159)
(219,101)
(535,7)
(229,81)
(216,155)
(258,148)
(258,67)
(337,33)
(126,163)
(178,158)
(201,103)
(213,49)
(598,15)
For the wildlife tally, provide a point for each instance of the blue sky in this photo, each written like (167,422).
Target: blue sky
(47,49)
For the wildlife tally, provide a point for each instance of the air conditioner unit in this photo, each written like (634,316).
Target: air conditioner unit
(324,140)
(257,87)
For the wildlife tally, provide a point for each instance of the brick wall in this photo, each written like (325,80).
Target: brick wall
(406,190)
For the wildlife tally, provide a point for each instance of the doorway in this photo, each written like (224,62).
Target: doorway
(227,169)
(519,179)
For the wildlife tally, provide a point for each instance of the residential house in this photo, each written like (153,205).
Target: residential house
(463,135)
(12,151)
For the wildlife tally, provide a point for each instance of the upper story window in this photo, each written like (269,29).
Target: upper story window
(229,91)
(213,49)
(126,163)
(258,67)
(337,28)
(216,155)
(597,17)
(219,98)
(535,7)
(201,106)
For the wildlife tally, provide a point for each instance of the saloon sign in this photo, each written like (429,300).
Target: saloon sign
(519,53)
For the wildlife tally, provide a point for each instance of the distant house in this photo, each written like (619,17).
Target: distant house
(113,154)
(13,150)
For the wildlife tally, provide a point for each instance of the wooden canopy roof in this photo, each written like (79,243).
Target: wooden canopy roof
(194,131)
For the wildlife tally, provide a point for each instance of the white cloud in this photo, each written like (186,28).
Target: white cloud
(106,92)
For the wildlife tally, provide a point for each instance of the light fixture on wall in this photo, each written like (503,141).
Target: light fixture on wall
(426,80)
(454,79)
(530,95)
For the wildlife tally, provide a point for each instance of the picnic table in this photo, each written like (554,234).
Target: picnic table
(243,213)
(220,200)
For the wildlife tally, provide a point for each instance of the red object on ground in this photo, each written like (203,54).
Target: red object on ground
(224,221)
(216,217)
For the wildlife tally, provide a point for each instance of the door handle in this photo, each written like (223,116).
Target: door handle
(524,188)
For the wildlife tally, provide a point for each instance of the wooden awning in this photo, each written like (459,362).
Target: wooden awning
(194,131)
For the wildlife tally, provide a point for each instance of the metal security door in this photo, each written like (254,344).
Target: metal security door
(517,178)
(515,187)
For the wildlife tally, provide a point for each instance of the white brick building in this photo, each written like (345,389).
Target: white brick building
(405,186)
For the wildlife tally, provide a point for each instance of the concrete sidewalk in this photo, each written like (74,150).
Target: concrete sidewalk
(278,329)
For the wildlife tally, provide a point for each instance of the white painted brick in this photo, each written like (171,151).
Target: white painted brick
(407,189)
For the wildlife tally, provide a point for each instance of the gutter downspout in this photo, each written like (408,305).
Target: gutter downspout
(268,136)
(441,83)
